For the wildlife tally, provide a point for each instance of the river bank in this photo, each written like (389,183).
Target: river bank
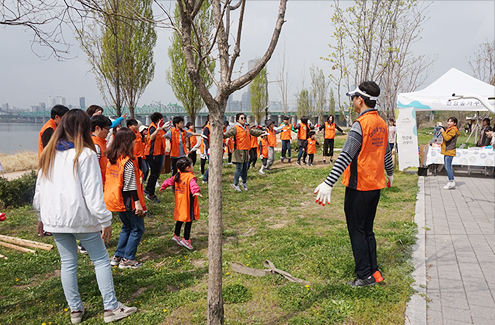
(19,162)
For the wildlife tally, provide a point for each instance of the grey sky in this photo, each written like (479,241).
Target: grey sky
(454,32)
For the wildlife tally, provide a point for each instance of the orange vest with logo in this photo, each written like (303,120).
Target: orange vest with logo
(138,145)
(272,138)
(102,143)
(329,130)
(286,132)
(49,124)
(311,146)
(159,146)
(177,135)
(112,193)
(264,147)
(366,171)
(186,205)
(230,145)
(242,138)
(303,130)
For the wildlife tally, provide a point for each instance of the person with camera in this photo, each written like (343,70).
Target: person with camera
(448,151)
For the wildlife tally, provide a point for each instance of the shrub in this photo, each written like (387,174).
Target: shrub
(17,192)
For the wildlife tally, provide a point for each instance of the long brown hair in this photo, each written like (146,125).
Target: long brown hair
(74,127)
(121,145)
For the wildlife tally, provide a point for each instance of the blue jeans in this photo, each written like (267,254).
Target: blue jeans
(205,176)
(448,167)
(145,168)
(241,170)
(285,147)
(130,235)
(302,153)
(67,249)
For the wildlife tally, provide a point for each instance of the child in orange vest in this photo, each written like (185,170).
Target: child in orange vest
(186,200)
(263,153)
(123,194)
(311,147)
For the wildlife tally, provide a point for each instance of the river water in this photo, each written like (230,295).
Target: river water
(16,137)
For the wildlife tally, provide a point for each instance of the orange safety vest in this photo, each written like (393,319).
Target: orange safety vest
(112,193)
(366,171)
(159,147)
(138,145)
(102,143)
(329,130)
(242,140)
(286,132)
(254,142)
(193,140)
(230,145)
(185,202)
(49,124)
(177,135)
(311,146)
(202,147)
(272,138)
(264,147)
(303,129)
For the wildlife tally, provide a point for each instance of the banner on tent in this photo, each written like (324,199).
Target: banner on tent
(407,138)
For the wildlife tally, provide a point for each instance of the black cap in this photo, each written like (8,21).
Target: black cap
(286,117)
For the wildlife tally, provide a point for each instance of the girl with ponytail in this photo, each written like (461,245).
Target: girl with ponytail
(186,200)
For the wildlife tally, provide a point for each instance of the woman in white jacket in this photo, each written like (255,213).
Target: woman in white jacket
(69,203)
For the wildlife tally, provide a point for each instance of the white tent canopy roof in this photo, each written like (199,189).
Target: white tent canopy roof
(438,95)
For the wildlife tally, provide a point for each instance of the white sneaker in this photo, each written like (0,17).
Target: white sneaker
(447,186)
(76,316)
(261,172)
(452,184)
(118,313)
(244,186)
(236,188)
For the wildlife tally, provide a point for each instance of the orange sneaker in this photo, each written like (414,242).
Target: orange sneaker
(378,276)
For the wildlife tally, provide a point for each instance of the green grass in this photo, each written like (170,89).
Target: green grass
(276,219)
(425,135)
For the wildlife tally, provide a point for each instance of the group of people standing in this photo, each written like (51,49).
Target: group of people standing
(82,179)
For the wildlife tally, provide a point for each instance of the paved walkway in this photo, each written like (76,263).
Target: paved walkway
(457,261)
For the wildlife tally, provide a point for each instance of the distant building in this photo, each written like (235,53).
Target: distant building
(35,108)
(5,107)
(246,101)
(82,102)
(56,100)
(42,107)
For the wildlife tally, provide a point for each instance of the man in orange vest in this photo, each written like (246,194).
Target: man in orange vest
(272,141)
(192,143)
(329,135)
(49,128)
(178,140)
(286,136)
(364,158)
(302,137)
(100,126)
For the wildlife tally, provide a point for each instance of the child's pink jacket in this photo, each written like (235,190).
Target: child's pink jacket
(193,186)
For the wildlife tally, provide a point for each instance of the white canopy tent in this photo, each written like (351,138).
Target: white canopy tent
(454,91)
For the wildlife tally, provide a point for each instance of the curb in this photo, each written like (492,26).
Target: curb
(416,307)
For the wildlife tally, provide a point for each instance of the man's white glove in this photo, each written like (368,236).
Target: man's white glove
(204,136)
(390,180)
(324,194)
(264,133)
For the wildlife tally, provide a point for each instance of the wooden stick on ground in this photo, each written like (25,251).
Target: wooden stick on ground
(25,242)
(19,248)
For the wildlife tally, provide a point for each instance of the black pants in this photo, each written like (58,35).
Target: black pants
(328,147)
(187,229)
(360,211)
(229,160)
(253,156)
(155,163)
(174,165)
(311,156)
(203,163)
(192,155)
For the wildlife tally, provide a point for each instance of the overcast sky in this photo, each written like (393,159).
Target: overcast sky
(453,33)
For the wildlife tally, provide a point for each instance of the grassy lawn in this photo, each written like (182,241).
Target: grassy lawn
(276,219)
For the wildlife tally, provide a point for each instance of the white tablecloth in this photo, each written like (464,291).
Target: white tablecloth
(464,157)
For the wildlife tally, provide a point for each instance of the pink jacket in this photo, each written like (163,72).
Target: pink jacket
(193,186)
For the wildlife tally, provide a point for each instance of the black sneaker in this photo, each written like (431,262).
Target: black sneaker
(153,198)
(298,163)
(363,282)
(146,191)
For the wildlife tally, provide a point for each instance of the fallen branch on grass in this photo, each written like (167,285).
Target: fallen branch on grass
(3,256)
(271,269)
(25,242)
(19,248)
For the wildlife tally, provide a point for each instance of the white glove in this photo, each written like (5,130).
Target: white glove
(264,133)
(261,156)
(204,136)
(193,149)
(324,193)
(391,180)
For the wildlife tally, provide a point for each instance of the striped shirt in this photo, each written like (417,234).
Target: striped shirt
(351,149)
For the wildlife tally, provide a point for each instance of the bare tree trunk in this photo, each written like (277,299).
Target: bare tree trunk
(215,299)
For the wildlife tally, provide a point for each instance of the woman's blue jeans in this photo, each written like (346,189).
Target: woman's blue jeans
(67,249)
(241,170)
(130,235)
(448,167)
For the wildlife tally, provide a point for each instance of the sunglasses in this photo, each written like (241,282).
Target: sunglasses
(242,118)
